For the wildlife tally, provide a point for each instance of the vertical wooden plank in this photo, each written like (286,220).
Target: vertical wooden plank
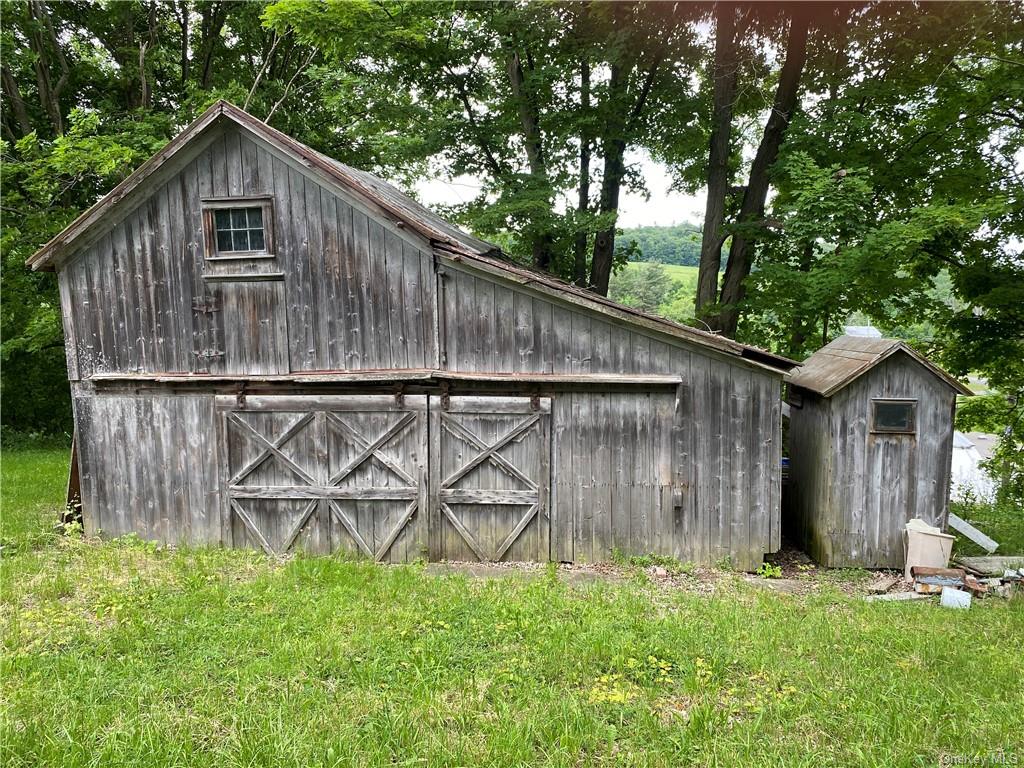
(561,329)
(505,353)
(583,481)
(543,340)
(581,345)
(180,270)
(317,269)
(561,479)
(399,306)
(544,513)
(522,309)
(300,283)
(222,452)
(352,279)
(435,532)
(624,461)
(67,317)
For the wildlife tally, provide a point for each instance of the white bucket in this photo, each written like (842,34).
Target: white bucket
(926,545)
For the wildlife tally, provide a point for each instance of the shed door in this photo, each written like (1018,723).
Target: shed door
(326,473)
(246,328)
(489,478)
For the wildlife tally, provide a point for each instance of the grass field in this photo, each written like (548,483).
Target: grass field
(122,653)
(677,272)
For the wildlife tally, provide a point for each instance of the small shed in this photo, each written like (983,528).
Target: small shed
(870,446)
(268,348)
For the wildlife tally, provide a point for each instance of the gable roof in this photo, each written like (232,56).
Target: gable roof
(840,362)
(448,239)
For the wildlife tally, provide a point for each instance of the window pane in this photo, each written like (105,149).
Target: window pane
(256,240)
(238,218)
(255,217)
(894,417)
(223,218)
(240,240)
(223,240)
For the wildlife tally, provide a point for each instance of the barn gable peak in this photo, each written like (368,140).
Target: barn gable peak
(366,187)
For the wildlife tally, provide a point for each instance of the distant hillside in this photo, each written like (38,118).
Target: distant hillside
(678,244)
(664,289)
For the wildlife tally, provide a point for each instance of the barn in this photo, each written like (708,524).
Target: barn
(870,446)
(267,348)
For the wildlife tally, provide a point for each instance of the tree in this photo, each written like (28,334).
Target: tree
(499,91)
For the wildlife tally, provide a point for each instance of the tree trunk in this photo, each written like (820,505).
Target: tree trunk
(10,86)
(718,155)
(44,47)
(614,147)
(184,12)
(213,17)
(529,120)
(579,268)
(752,208)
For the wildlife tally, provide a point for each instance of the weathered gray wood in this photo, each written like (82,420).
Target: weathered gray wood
(964,528)
(489,478)
(348,298)
(852,489)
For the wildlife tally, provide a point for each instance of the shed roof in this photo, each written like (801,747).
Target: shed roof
(840,362)
(405,210)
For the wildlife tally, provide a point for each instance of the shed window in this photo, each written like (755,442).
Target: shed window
(894,416)
(240,229)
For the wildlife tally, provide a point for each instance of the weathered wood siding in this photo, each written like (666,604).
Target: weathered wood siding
(355,294)
(148,466)
(857,489)
(691,472)
(632,471)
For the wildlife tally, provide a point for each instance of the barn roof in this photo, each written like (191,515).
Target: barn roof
(842,361)
(407,212)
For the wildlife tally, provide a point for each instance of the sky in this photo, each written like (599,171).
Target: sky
(664,207)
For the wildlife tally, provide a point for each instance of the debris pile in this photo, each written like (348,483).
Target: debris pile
(956,587)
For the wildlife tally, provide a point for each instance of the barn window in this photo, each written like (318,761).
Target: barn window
(238,228)
(894,416)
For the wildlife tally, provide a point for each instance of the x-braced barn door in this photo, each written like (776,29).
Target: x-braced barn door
(326,473)
(489,475)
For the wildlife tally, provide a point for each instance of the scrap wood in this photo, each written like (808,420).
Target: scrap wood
(883,585)
(964,528)
(991,565)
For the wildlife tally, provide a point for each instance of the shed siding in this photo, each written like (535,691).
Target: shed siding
(691,471)
(501,328)
(854,490)
(148,466)
(622,474)
(355,296)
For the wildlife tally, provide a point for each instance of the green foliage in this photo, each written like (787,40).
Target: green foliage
(769,571)
(666,290)
(1002,519)
(678,244)
(671,565)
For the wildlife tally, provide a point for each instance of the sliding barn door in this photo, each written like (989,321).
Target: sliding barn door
(326,473)
(489,477)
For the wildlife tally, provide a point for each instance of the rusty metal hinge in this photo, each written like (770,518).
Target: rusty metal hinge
(446,398)
(208,353)
(400,396)
(240,397)
(535,401)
